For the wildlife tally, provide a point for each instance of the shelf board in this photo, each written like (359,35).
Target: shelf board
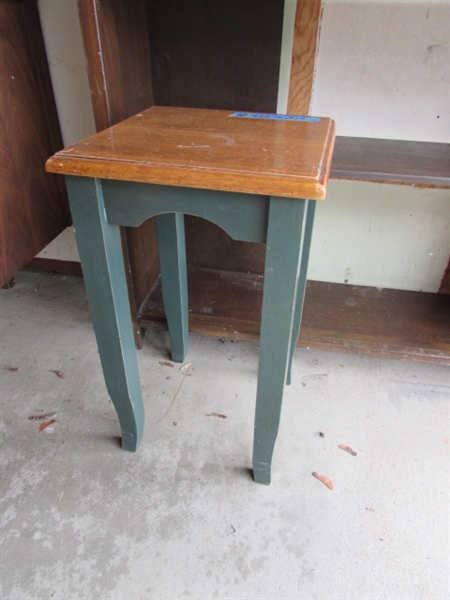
(422,164)
(361,320)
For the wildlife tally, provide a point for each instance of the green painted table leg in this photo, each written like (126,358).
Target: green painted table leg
(301,287)
(283,256)
(172,259)
(100,249)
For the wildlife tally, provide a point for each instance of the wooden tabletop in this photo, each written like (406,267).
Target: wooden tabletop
(211,149)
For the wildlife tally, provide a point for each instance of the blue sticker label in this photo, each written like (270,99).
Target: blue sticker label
(249,115)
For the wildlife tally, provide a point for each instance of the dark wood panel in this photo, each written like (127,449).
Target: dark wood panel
(423,164)
(221,54)
(33,204)
(117,47)
(362,320)
(209,246)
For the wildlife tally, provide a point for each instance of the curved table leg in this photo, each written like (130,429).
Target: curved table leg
(172,260)
(301,288)
(100,249)
(283,257)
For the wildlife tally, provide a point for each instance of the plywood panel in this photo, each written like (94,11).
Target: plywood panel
(33,204)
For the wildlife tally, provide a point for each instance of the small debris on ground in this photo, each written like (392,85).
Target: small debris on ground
(233,530)
(59,374)
(319,434)
(12,369)
(369,508)
(43,417)
(44,426)
(166,363)
(216,414)
(324,480)
(105,417)
(347,449)
(185,367)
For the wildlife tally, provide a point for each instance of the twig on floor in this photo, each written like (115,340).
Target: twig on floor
(185,374)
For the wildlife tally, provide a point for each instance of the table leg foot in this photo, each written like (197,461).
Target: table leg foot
(129,441)
(262,473)
(172,259)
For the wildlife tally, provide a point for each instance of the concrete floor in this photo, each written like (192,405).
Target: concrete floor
(182,517)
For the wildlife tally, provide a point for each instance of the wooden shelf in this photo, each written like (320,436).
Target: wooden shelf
(362,320)
(422,164)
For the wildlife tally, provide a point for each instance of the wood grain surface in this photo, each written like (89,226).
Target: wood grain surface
(346,318)
(306,31)
(425,164)
(117,48)
(208,149)
(33,204)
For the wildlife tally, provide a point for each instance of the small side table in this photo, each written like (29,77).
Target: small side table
(255,175)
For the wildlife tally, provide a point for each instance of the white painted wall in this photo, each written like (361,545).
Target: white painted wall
(389,236)
(67,62)
(287,41)
(382,70)
(65,53)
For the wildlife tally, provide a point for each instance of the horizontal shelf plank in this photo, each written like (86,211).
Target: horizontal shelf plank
(362,320)
(422,164)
